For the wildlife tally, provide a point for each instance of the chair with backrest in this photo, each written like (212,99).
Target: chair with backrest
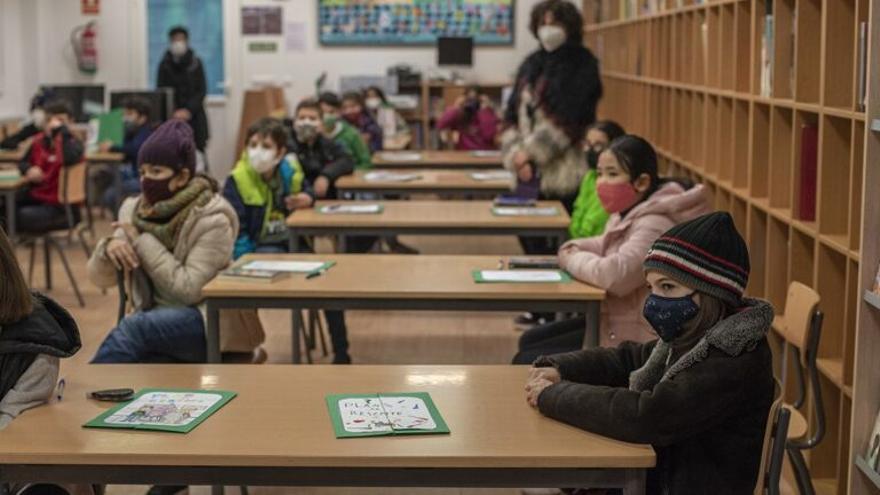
(801,327)
(72,195)
(773,452)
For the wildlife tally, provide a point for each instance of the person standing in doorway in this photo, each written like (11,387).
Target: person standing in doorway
(182,71)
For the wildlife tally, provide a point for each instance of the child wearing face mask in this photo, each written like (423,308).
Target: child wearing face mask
(170,242)
(265,187)
(36,123)
(353,111)
(396,134)
(138,127)
(588,217)
(339,130)
(641,207)
(472,120)
(701,393)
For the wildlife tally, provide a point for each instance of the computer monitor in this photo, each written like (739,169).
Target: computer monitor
(161,101)
(458,51)
(86,100)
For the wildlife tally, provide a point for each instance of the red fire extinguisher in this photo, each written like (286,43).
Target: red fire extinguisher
(85,45)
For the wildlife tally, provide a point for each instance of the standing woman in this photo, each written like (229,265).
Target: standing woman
(555,95)
(182,71)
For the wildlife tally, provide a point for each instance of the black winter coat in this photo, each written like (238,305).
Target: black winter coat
(49,329)
(568,87)
(186,77)
(705,414)
(325,157)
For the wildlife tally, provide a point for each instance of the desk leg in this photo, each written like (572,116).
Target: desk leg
(212,333)
(293,241)
(10,214)
(340,244)
(635,482)
(216,490)
(591,338)
(296,335)
(117,184)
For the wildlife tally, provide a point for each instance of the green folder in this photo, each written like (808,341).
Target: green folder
(111,127)
(384,414)
(172,410)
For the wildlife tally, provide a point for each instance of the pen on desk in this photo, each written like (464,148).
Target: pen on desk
(316,273)
(60,389)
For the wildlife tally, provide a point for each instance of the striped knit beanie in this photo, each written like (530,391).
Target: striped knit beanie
(706,253)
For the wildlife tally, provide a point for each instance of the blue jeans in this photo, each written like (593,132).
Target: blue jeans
(161,335)
(335,319)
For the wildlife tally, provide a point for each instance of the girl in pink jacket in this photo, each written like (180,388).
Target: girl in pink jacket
(642,206)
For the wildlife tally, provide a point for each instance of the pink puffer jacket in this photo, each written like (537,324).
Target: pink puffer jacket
(613,260)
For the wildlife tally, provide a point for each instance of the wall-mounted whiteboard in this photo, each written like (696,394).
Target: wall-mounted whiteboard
(414,22)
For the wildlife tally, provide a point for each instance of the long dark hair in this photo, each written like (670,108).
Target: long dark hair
(636,155)
(608,127)
(15,297)
(564,12)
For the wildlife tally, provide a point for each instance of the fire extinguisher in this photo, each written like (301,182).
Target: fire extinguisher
(85,45)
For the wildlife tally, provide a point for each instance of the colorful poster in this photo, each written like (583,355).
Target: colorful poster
(414,22)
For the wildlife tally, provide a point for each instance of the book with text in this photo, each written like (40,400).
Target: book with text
(381,414)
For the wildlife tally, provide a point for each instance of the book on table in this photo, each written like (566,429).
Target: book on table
(171,410)
(384,414)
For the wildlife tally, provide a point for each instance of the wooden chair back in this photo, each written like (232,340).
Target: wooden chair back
(794,325)
(72,184)
(772,453)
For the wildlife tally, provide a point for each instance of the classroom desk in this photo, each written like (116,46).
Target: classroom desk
(425,218)
(277,432)
(395,282)
(8,190)
(13,156)
(428,182)
(436,159)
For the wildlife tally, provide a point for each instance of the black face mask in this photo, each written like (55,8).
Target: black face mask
(592,158)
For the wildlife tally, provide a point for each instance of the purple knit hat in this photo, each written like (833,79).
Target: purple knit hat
(170,145)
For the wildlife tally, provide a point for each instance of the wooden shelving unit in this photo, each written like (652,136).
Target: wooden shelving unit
(687,75)
(436,96)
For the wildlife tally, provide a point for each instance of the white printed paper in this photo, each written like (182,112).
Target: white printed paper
(284,266)
(517,211)
(486,153)
(342,208)
(386,176)
(493,175)
(164,409)
(402,157)
(372,415)
(521,276)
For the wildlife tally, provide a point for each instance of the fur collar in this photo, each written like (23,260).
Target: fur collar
(739,333)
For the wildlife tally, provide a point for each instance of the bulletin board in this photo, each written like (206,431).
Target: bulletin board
(204,21)
(414,22)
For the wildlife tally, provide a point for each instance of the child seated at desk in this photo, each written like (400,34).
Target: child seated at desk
(472,121)
(353,111)
(340,131)
(642,206)
(265,187)
(170,242)
(53,148)
(36,123)
(396,134)
(701,394)
(588,217)
(138,127)
(36,332)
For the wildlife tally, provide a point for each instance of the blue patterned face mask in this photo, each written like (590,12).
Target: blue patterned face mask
(668,314)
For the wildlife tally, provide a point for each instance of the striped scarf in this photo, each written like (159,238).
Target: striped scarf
(165,218)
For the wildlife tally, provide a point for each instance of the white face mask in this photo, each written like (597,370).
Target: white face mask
(178,48)
(261,159)
(373,103)
(551,37)
(39,117)
(306,129)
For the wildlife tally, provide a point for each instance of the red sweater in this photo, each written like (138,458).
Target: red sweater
(50,155)
(476,135)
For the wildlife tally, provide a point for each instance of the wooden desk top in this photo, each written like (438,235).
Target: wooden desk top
(12,185)
(429,180)
(428,214)
(14,156)
(436,159)
(398,276)
(280,419)
(105,157)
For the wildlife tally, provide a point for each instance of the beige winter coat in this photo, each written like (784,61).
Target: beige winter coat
(204,248)
(613,260)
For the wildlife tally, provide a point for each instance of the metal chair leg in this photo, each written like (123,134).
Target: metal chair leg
(310,330)
(801,472)
(31,265)
(322,334)
(47,263)
(70,276)
(244,490)
(305,341)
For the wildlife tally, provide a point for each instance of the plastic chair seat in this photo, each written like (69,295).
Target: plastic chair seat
(797,425)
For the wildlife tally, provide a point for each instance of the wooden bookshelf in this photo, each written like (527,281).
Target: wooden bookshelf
(689,76)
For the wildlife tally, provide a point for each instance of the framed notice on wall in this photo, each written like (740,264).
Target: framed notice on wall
(414,22)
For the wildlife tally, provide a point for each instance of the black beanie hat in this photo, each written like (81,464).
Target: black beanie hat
(706,253)
(171,145)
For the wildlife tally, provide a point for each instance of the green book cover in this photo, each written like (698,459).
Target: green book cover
(384,414)
(172,410)
(521,276)
(111,127)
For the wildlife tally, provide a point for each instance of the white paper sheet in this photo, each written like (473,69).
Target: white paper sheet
(351,209)
(402,157)
(521,276)
(285,266)
(385,176)
(515,211)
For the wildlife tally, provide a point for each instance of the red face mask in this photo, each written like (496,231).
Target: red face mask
(155,191)
(617,197)
(352,118)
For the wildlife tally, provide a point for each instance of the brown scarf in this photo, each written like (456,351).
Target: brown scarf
(165,218)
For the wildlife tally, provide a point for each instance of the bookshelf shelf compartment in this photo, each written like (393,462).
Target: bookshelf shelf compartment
(867,472)
(873,299)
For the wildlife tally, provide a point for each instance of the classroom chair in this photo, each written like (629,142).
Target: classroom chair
(801,327)
(773,452)
(72,193)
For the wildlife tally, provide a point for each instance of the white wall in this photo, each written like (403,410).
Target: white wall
(48,58)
